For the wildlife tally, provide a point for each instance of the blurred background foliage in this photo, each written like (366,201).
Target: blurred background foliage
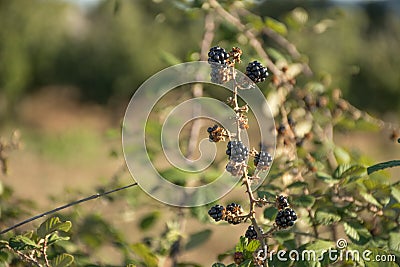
(106,49)
(69,68)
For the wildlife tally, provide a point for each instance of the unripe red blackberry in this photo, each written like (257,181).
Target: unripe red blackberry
(237,151)
(281,202)
(286,218)
(217,212)
(256,72)
(251,232)
(238,257)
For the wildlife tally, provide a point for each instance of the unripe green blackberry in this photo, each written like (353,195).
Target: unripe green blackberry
(256,72)
(217,212)
(251,233)
(286,218)
(282,202)
(237,151)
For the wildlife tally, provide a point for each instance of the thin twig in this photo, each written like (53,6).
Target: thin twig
(24,257)
(95,196)
(197,90)
(254,42)
(44,252)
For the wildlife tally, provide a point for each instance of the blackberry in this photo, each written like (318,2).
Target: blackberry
(251,233)
(263,160)
(217,212)
(234,169)
(218,55)
(237,151)
(256,72)
(282,202)
(216,133)
(234,208)
(286,218)
(238,257)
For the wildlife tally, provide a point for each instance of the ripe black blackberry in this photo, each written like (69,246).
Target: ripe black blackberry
(234,208)
(217,212)
(286,218)
(251,233)
(216,133)
(263,160)
(256,72)
(234,169)
(282,202)
(237,151)
(218,55)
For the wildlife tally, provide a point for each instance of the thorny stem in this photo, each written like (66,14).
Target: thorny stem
(24,257)
(44,251)
(95,196)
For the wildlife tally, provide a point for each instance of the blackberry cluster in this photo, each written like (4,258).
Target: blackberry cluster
(251,233)
(218,55)
(216,133)
(217,212)
(237,151)
(234,169)
(263,160)
(286,218)
(281,202)
(256,72)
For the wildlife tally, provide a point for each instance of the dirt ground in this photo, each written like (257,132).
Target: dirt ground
(68,166)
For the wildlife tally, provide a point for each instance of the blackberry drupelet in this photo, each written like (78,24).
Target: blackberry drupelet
(286,218)
(218,55)
(282,202)
(263,160)
(251,233)
(237,151)
(256,72)
(217,212)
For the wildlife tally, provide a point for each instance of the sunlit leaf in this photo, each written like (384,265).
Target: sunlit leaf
(62,260)
(350,231)
(51,225)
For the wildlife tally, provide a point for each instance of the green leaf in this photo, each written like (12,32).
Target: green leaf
(252,246)
(149,220)
(355,170)
(3,244)
(275,25)
(145,254)
(341,155)
(305,201)
(396,193)
(240,247)
(394,241)
(51,225)
(55,238)
(218,264)
(198,239)
(351,231)
(371,199)
(297,184)
(246,263)
(270,213)
(326,217)
(62,260)
(20,242)
(3,257)
(340,170)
